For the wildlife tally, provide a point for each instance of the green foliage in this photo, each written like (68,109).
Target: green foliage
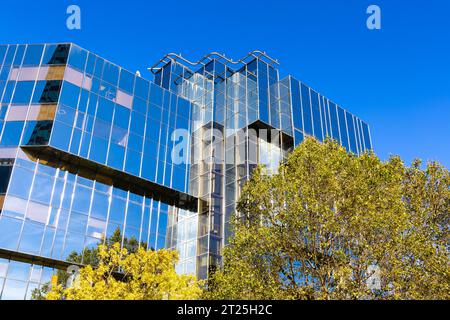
(316,228)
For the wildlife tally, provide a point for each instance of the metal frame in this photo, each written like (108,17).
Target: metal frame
(173,57)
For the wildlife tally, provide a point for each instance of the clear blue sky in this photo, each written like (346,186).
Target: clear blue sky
(397,79)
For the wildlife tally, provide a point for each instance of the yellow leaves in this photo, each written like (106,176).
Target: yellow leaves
(120,275)
(335,214)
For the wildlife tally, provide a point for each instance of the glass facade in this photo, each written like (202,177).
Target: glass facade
(88,149)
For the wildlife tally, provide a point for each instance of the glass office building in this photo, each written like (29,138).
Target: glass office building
(88,149)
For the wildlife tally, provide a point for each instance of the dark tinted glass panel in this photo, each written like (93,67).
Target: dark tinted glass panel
(37,133)
(56,54)
(5,173)
(47,91)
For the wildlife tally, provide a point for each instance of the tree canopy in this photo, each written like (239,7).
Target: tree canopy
(333,225)
(121,275)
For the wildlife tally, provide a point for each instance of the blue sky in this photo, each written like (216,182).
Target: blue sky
(396,78)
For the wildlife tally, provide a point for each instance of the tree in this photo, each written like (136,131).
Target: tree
(89,256)
(121,275)
(333,225)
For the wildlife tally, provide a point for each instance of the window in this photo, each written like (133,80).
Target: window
(5,174)
(133,162)
(47,91)
(334,122)
(126,82)
(11,133)
(316,115)
(296,105)
(121,117)
(23,92)
(134,215)
(140,105)
(102,129)
(306,107)
(61,136)
(78,223)
(2,53)
(14,290)
(33,55)
(100,205)
(42,188)
(83,199)
(99,149)
(77,57)
(74,244)
(14,207)
(137,123)
(343,128)
(66,115)
(19,55)
(37,133)
(37,212)
(31,238)
(69,95)
(56,54)
(21,182)
(9,232)
(105,109)
(141,88)
(111,73)
(351,132)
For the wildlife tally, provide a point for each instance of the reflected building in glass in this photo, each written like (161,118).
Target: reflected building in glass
(89,150)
